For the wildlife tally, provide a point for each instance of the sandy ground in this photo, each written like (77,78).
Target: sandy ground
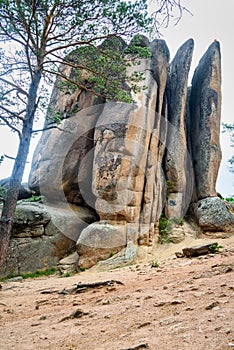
(182,304)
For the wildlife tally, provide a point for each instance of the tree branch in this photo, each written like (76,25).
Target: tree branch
(11,126)
(18,88)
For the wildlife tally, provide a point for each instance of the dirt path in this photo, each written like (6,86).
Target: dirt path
(183,304)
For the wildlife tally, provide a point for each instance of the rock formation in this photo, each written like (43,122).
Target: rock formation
(205,111)
(42,235)
(131,162)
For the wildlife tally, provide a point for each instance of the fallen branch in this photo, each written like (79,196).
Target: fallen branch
(84,287)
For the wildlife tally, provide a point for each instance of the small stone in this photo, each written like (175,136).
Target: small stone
(212,305)
(144,324)
(42,318)
(176,302)
(162,303)
(227,269)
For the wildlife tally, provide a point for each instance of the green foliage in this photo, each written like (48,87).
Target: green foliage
(230,200)
(178,221)
(45,33)
(166,226)
(54,116)
(82,268)
(36,274)
(215,248)
(170,188)
(34,199)
(154,263)
(67,274)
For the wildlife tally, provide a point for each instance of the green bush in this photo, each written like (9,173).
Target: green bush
(230,199)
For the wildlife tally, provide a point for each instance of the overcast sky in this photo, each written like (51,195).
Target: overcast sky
(212,19)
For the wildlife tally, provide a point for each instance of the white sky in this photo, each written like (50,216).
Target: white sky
(212,19)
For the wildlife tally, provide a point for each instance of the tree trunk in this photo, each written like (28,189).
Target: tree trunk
(6,221)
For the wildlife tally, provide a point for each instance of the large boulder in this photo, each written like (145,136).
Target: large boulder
(215,215)
(30,220)
(43,234)
(99,241)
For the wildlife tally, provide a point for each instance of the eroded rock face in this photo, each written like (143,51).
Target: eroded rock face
(152,203)
(57,176)
(43,234)
(177,159)
(129,161)
(205,113)
(215,215)
(120,158)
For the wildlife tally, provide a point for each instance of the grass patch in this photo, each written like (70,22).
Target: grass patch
(166,226)
(82,268)
(36,274)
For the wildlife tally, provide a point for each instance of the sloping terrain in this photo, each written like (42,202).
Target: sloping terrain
(182,304)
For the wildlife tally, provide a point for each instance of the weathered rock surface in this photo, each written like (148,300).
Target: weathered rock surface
(214,214)
(205,114)
(68,265)
(177,235)
(30,220)
(99,241)
(152,203)
(120,156)
(128,161)
(57,176)
(43,234)
(178,160)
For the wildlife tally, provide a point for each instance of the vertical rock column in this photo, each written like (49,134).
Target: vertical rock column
(122,137)
(205,113)
(176,160)
(152,201)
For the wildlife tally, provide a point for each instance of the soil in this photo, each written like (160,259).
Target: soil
(181,304)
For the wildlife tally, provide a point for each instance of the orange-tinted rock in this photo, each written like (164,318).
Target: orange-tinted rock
(177,156)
